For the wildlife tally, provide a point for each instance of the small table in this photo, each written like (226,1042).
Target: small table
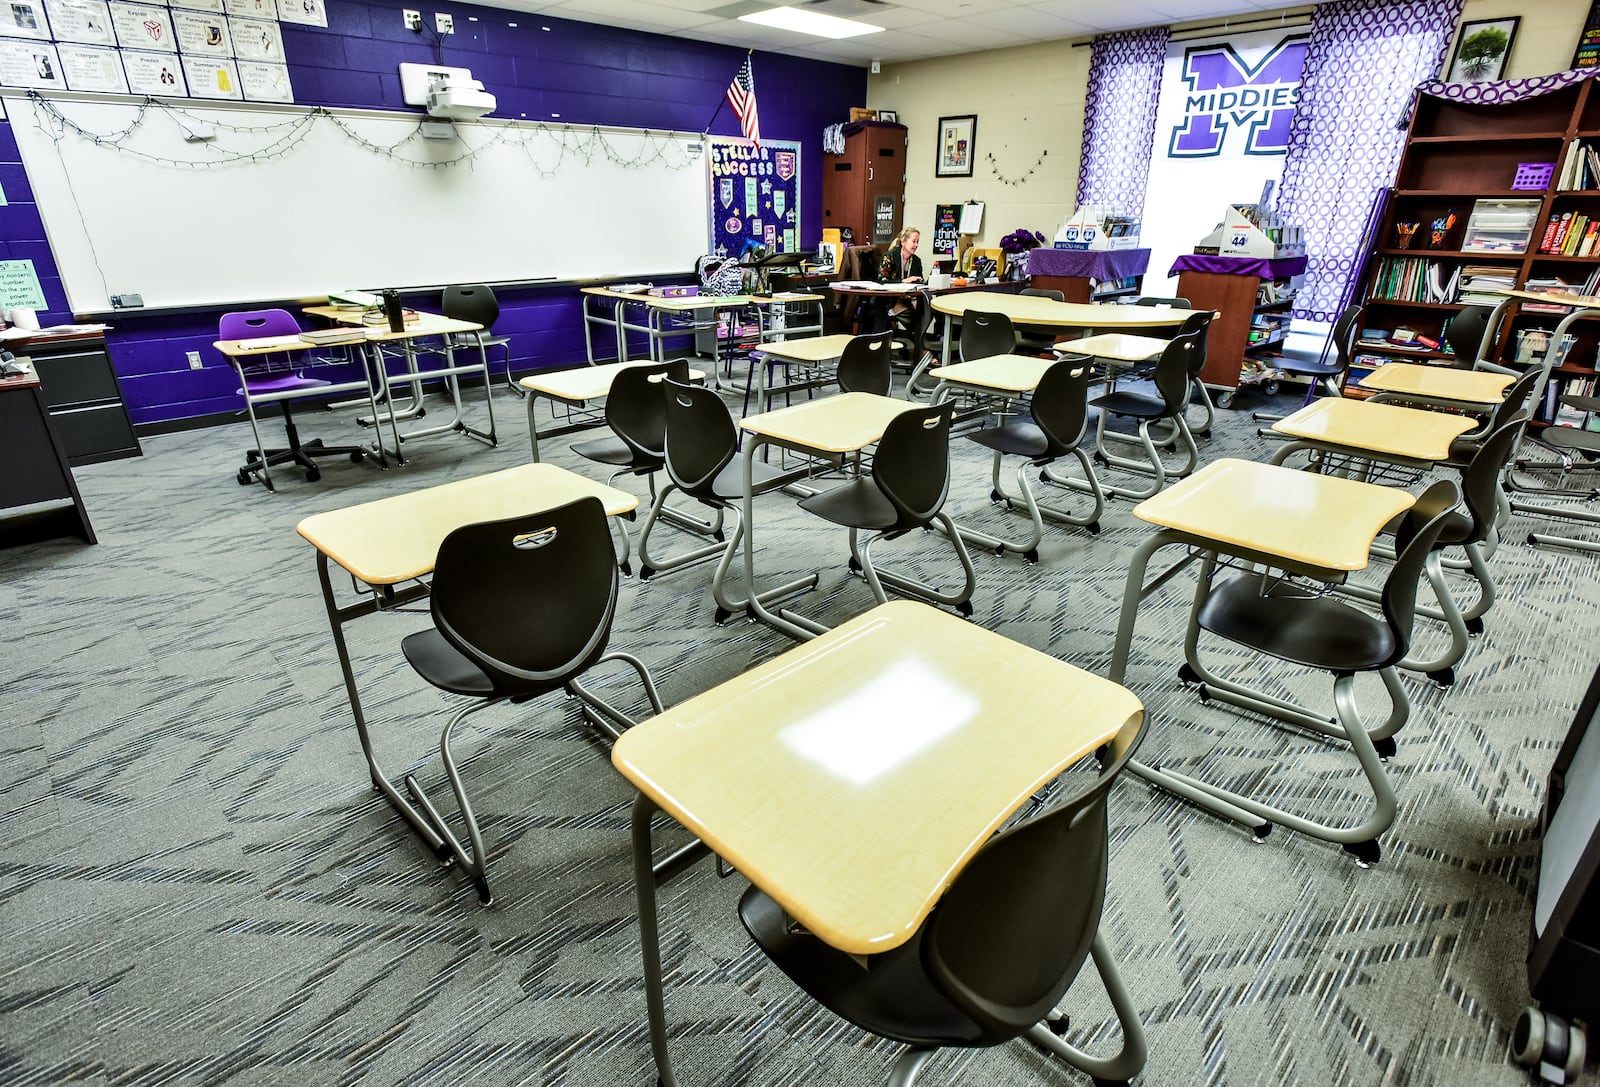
(1036,311)
(575,387)
(831,427)
(1437,386)
(806,772)
(394,540)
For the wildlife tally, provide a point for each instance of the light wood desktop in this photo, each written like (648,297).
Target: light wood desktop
(830,427)
(818,355)
(1438,386)
(663,313)
(852,778)
(1117,347)
(1410,437)
(425,325)
(391,543)
(575,387)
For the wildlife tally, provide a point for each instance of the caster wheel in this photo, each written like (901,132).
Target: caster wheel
(996,496)
(1259,834)
(1187,675)
(1205,695)
(1386,748)
(1001,551)
(1031,556)
(1270,388)
(357,457)
(855,567)
(965,608)
(244,478)
(1527,1038)
(313,474)
(1225,400)
(1170,447)
(646,573)
(721,615)
(1474,627)
(1444,678)
(1366,853)
(1093,527)
(421,412)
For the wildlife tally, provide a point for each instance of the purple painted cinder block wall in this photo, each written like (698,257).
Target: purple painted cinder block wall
(588,74)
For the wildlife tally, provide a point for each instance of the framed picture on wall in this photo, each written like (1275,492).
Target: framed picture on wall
(889,116)
(1482,49)
(955,146)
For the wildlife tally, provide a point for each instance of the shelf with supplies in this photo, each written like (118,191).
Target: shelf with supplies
(1488,197)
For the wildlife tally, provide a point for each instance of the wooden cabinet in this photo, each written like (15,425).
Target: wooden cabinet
(82,395)
(864,189)
(1425,266)
(1251,322)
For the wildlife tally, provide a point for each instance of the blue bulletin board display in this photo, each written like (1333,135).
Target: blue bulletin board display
(755,195)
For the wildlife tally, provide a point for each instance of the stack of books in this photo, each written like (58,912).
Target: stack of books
(1571,234)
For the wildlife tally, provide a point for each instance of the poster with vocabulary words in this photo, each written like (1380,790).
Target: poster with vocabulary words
(30,64)
(211,77)
(202,33)
(90,68)
(253,9)
(140,26)
(304,12)
(86,22)
(265,82)
(200,5)
(154,73)
(256,39)
(24,19)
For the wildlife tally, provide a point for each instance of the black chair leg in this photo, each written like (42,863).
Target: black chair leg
(296,452)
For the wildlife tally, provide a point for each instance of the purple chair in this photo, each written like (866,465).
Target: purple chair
(275,379)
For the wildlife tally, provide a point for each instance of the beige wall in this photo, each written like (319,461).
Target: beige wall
(1029,100)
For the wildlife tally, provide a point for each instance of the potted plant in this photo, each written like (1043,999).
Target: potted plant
(1016,243)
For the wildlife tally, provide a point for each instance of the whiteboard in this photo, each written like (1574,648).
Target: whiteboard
(286,202)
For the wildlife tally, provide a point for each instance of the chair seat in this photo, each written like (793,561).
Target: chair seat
(1137,405)
(1307,368)
(280,383)
(613,450)
(857,504)
(468,339)
(1276,618)
(891,996)
(1566,437)
(443,665)
(729,484)
(1019,438)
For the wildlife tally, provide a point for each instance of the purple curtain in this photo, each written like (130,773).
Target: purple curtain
(1119,118)
(1363,62)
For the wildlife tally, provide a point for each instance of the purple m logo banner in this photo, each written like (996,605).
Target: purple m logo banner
(1223,92)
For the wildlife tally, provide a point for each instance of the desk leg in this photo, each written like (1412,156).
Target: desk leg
(796,626)
(1134,592)
(533,426)
(380,780)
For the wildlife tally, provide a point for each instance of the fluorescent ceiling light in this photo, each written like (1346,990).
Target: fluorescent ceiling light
(809,22)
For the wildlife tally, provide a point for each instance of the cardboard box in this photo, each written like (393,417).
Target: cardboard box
(861,113)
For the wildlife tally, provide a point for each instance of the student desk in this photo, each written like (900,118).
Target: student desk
(1118,348)
(663,316)
(426,325)
(830,427)
(1437,386)
(1315,525)
(575,388)
(814,353)
(808,772)
(277,345)
(1408,437)
(387,542)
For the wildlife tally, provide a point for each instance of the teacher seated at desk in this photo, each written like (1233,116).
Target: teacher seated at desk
(902,265)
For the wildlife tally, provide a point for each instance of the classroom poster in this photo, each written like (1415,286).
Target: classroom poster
(1588,51)
(946,236)
(86,22)
(24,19)
(154,74)
(30,64)
(89,68)
(755,195)
(211,77)
(140,26)
(19,286)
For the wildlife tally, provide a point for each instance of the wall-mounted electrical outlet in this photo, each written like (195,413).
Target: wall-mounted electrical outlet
(413,19)
(444,23)
(194,361)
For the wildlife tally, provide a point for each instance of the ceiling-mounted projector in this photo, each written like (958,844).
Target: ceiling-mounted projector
(458,99)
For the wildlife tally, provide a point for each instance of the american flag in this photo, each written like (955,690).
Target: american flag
(742,97)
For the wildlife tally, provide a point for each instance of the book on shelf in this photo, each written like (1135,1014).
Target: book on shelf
(1591,237)
(1416,279)
(1480,284)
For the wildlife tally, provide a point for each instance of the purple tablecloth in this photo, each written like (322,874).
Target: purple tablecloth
(1089,263)
(1260,267)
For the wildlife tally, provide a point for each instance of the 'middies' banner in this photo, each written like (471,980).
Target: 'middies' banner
(1222,128)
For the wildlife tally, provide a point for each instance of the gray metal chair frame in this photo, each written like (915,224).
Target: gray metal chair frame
(1326,375)
(1172,382)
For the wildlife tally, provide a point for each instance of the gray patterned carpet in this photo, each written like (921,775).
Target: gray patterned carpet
(197,886)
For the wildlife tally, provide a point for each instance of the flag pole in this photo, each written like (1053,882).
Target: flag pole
(706,131)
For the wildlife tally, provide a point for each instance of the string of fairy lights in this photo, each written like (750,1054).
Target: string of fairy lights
(1021,179)
(581,145)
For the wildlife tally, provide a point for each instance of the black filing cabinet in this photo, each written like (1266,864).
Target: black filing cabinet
(82,396)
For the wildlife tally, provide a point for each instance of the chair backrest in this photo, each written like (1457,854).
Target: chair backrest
(1480,480)
(912,464)
(1060,404)
(1342,338)
(1157,300)
(1198,325)
(256,323)
(865,365)
(984,334)
(860,262)
(1173,368)
(528,599)
(636,406)
(1014,928)
(701,438)
(1044,292)
(1516,398)
(470,302)
(1417,534)
(1464,335)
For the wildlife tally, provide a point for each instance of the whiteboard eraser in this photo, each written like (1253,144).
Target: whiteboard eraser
(127,301)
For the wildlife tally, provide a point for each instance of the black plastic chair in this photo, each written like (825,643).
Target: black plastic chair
(905,490)
(1058,423)
(995,956)
(866,364)
(1158,300)
(986,334)
(1172,382)
(521,607)
(1325,373)
(1464,335)
(476,303)
(1284,619)
(701,455)
(1038,341)
(1463,448)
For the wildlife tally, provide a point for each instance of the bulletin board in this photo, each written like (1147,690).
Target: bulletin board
(755,195)
(219,49)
